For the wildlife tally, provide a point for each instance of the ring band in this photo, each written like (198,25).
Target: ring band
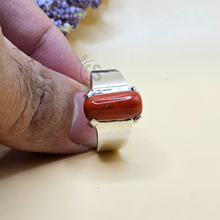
(112,107)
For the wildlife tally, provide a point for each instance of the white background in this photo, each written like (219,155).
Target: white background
(170,168)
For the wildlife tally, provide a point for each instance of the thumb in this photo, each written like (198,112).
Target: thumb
(40,110)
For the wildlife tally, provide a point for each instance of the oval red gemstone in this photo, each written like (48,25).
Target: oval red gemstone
(113,106)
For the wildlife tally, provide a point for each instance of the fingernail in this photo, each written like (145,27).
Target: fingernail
(81,133)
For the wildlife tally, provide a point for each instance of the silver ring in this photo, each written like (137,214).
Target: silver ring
(112,107)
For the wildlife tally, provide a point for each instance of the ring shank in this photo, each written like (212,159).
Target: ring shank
(112,135)
(108,81)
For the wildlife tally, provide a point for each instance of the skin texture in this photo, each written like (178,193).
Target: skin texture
(28,28)
(39,106)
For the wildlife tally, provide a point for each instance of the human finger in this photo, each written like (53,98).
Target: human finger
(29,29)
(40,108)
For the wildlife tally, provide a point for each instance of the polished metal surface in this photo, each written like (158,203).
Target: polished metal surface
(94,122)
(112,135)
(135,89)
(137,119)
(108,81)
(90,94)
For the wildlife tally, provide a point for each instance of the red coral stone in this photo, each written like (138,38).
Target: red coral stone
(113,106)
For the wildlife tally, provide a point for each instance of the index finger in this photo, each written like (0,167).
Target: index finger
(28,28)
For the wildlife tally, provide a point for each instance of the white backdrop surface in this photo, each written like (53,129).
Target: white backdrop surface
(170,168)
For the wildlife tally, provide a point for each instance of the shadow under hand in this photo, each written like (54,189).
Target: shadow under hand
(13,161)
(136,163)
(133,164)
(110,157)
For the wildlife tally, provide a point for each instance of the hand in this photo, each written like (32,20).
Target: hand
(41,110)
